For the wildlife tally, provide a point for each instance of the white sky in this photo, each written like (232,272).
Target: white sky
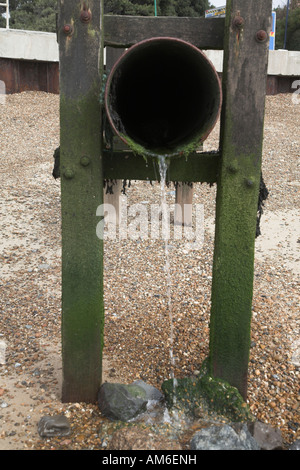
(221,3)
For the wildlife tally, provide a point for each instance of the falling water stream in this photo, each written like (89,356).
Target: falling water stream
(163,166)
(175,421)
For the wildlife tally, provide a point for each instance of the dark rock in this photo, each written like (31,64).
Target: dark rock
(50,426)
(121,402)
(223,438)
(295,445)
(266,436)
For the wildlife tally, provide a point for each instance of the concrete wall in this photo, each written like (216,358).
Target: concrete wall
(30,60)
(28,45)
(284,63)
(281,62)
(283,69)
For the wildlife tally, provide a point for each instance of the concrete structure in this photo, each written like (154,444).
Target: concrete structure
(28,45)
(29,60)
(283,69)
(281,62)
(284,63)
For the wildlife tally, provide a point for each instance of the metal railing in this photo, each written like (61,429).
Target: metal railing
(6,4)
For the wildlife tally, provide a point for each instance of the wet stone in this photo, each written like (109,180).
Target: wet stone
(266,436)
(223,438)
(121,402)
(50,426)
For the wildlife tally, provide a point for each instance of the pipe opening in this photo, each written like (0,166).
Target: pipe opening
(164,95)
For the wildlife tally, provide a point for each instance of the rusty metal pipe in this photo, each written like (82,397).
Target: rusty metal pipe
(163,97)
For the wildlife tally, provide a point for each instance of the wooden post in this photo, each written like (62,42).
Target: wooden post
(81,67)
(247,27)
(184,200)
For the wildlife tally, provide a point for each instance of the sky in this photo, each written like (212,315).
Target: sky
(221,3)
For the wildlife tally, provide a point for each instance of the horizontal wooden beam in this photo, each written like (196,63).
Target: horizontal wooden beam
(198,167)
(124,31)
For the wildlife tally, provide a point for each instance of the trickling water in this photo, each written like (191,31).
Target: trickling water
(163,166)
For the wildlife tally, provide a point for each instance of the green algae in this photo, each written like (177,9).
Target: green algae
(192,394)
(181,151)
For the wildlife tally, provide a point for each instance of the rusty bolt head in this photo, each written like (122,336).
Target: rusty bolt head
(238,22)
(261,36)
(68,29)
(85,16)
(250,182)
(69,174)
(85,161)
(233,168)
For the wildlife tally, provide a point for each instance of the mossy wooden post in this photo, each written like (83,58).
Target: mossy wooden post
(81,66)
(247,28)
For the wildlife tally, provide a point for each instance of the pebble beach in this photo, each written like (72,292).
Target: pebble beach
(137,338)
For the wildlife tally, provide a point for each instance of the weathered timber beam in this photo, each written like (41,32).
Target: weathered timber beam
(81,68)
(197,167)
(248,26)
(124,31)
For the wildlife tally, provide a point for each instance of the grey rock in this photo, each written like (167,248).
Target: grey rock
(267,437)
(152,393)
(121,402)
(295,445)
(50,426)
(223,438)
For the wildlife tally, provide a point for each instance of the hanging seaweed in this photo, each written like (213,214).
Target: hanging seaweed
(125,184)
(56,168)
(108,186)
(263,195)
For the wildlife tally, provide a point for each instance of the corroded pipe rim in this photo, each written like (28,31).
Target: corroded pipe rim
(129,52)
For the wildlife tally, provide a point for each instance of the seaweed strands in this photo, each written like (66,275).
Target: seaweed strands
(263,195)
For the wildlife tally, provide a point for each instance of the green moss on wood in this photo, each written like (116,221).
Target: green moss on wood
(233,268)
(82,251)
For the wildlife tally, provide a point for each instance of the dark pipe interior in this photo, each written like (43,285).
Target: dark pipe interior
(163,94)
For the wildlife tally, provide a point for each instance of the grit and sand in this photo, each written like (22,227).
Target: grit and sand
(137,324)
